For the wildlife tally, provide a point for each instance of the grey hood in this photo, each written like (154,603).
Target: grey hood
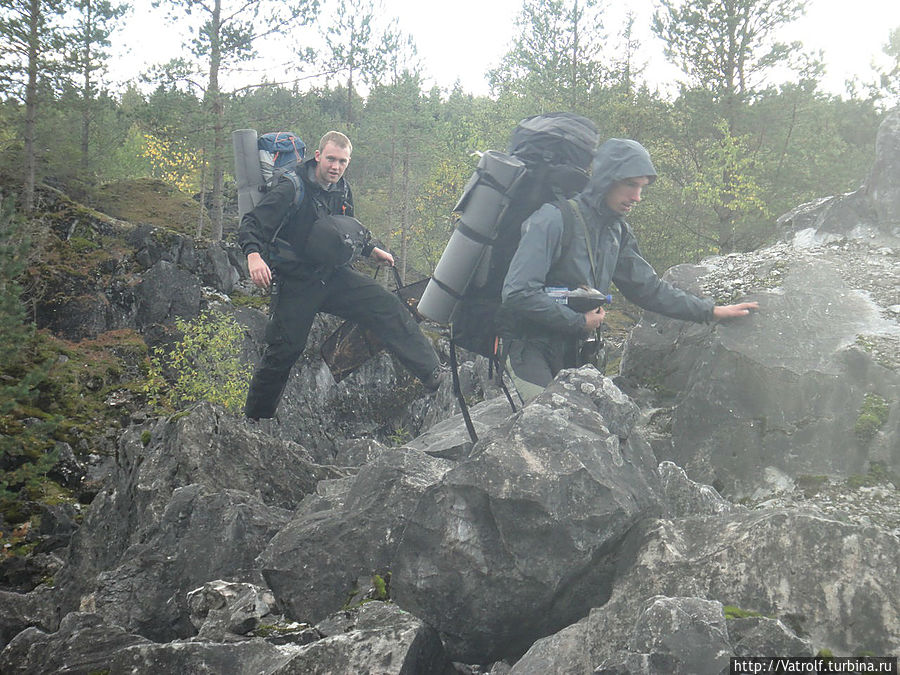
(615,160)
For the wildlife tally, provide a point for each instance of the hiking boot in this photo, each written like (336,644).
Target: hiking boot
(433,382)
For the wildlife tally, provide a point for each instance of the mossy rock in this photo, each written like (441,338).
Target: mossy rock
(877,474)
(150,201)
(260,302)
(810,485)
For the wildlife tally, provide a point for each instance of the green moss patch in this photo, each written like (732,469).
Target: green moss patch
(151,201)
(733,612)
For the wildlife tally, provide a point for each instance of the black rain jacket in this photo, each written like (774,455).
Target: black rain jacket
(259,226)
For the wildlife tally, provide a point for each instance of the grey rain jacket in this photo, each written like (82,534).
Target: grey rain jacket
(539,261)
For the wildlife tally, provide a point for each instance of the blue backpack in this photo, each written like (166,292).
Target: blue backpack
(280,152)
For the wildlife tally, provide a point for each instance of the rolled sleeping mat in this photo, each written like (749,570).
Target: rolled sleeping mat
(451,279)
(247,172)
(484,201)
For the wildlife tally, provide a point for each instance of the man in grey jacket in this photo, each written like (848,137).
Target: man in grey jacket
(542,335)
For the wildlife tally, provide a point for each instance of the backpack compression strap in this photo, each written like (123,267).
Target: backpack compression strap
(457,390)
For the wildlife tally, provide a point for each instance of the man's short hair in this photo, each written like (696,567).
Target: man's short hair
(338,139)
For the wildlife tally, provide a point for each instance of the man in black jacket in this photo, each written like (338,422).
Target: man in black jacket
(302,288)
(543,335)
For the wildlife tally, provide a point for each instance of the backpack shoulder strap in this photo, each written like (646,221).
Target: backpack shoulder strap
(567,208)
(570,213)
(299,192)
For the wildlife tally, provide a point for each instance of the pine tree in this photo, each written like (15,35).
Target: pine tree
(33,37)
(726,47)
(95,21)
(555,59)
(224,37)
(359,48)
(26,452)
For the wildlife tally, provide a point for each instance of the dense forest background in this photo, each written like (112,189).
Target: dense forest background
(748,136)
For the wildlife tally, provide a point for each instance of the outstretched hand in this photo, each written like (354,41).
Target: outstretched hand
(732,311)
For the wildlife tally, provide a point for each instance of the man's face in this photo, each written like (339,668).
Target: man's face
(332,162)
(625,194)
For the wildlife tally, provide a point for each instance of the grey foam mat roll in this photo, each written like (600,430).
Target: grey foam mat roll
(247,173)
(481,208)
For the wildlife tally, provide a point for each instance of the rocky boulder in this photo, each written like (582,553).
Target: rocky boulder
(678,636)
(348,531)
(376,637)
(517,539)
(19,611)
(789,580)
(224,611)
(808,385)
(671,635)
(107,274)
(882,188)
(84,643)
(191,500)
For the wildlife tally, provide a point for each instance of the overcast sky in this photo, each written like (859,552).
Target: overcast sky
(462,39)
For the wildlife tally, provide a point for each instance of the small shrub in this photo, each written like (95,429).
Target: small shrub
(400,436)
(872,416)
(380,586)
(204,365)
(260,302)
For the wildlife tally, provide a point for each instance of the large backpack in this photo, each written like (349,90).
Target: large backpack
(547,160)
(260,161)
(279,154)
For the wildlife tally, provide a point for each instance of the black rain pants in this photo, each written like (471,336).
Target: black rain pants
(348,294)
